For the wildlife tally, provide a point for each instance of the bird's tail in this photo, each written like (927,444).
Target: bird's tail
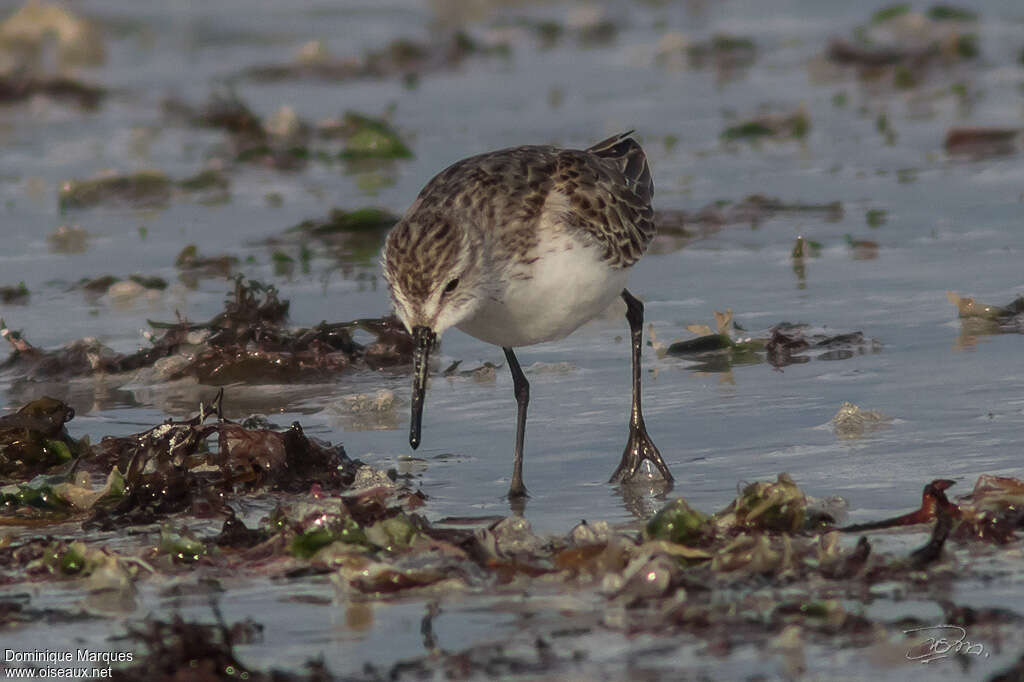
(626,153)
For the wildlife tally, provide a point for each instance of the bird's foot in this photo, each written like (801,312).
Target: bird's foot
(517,491)
(517,497)
(639,447)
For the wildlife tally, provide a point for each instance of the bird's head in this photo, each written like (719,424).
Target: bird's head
(434,272)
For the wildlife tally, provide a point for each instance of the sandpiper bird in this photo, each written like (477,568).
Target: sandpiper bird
(521,246)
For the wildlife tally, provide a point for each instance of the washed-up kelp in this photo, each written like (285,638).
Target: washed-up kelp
(350,236)
(902,47)
(788,343)
(144,189)
(287,142)
(978,142)
(193,265)
(21,87)
(782,345)
(14,294)
(590,27)
(727,54)
(33,439)
(400,58)
(710,576)
(247,342)
(166,469)
(933,501)
(752,210)
(119,287)
(68,239)
(992,512)
(982,318)
(791,126)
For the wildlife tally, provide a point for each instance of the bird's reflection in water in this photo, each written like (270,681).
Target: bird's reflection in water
(643,498)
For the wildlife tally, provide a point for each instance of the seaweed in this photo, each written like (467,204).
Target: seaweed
(980,143)
(728,55)
(34,439)
(400,58)
(678,523)
(903,47)
(247,342)
(68,239)
(685,572)
(779,506)
(177,649)
(340,221)
(770,126)
(371,138)
(875,217)
(14,294)
(143,189)
(167,468)
(285,141)
(933,499)
(981,318)
(355,235)
(782,345)
(194,265)
(20,87)
(105,284)
(751,210)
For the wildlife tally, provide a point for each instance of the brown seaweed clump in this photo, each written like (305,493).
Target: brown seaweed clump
(782,345)
(20,87)
(676,227)
(405,58)
(285,141)
(684,572)
(247,342)
(792,126)
(979,142)
(983,318)
(34,439)
(164,466)
(729,56)
(200,462)
(143,189)
(902,48)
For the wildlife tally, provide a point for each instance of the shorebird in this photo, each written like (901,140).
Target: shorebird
(521,246)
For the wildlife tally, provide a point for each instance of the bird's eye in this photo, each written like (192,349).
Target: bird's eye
(452,285)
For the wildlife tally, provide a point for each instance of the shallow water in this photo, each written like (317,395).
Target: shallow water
(950,224)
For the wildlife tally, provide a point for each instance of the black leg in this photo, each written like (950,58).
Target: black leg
(639,446)
(522,388)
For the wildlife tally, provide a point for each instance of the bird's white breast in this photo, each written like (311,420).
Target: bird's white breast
(565,287)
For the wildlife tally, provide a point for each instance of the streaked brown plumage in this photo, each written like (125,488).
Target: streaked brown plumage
(520,246)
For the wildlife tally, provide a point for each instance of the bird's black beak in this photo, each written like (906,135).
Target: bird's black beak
(425,338)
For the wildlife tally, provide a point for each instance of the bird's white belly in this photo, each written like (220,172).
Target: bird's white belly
(568,286)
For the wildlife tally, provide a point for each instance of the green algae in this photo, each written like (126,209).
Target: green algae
(308,543)
(367,219)
(143,189)
(889,13)
(678,522)
(372,138)
(14,294)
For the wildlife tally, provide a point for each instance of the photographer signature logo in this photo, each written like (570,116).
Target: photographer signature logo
(943,641)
